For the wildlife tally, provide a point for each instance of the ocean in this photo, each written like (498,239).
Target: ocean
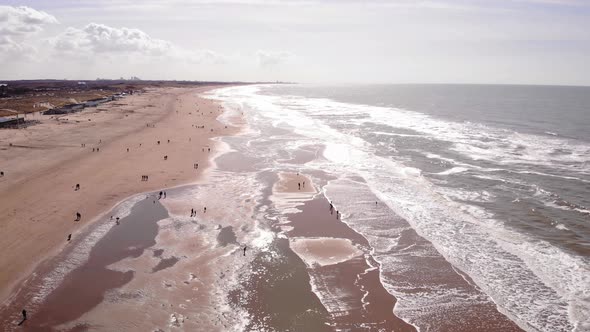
(470,196)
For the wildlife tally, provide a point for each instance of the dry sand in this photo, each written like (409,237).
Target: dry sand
(45,161)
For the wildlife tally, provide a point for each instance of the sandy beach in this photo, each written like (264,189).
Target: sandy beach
(44,162)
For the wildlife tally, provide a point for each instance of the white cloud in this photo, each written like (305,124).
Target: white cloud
(107,42)
(99,38)
(15,21)
(266,58)
(17,24)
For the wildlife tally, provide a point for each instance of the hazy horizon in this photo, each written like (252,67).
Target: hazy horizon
(530,42)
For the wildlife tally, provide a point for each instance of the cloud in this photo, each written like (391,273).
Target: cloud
(266,58)
(99,38)
(17,24)
(18,21)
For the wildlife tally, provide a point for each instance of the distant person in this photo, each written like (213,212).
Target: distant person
(24,313)
(158,142)
(78,216)
(77,186)
(69,237)
(93,149)
(160,196)
(303,184)
(97,149)
(204,209)
(1,174)
(127,149)
(299,184)
(164,194)
(244,251)
(117,221)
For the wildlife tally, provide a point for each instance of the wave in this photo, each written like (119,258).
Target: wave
(538,285)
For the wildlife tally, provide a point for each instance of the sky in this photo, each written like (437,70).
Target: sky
(309,41)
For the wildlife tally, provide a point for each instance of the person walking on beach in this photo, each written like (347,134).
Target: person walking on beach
(164,194)
(97,149)
(78,216)
(245,251)
(117,221)
(159,197)
(24,313)
(69,237)
(192,212)
(77,186)
(299,184)
(303,184)
(205,209)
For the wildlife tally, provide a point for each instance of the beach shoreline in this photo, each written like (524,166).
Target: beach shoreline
(42,164)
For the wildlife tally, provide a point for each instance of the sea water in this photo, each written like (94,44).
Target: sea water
(495,178)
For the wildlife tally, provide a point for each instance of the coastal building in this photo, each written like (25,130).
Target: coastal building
(98,101)
(70,108)
(11,121)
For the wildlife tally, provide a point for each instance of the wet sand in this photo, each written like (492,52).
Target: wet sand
(350,290)
(85,287)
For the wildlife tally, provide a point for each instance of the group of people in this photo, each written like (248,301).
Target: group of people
(145,177)
(194,211)
(332,209)
(116,220)
(299,184)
